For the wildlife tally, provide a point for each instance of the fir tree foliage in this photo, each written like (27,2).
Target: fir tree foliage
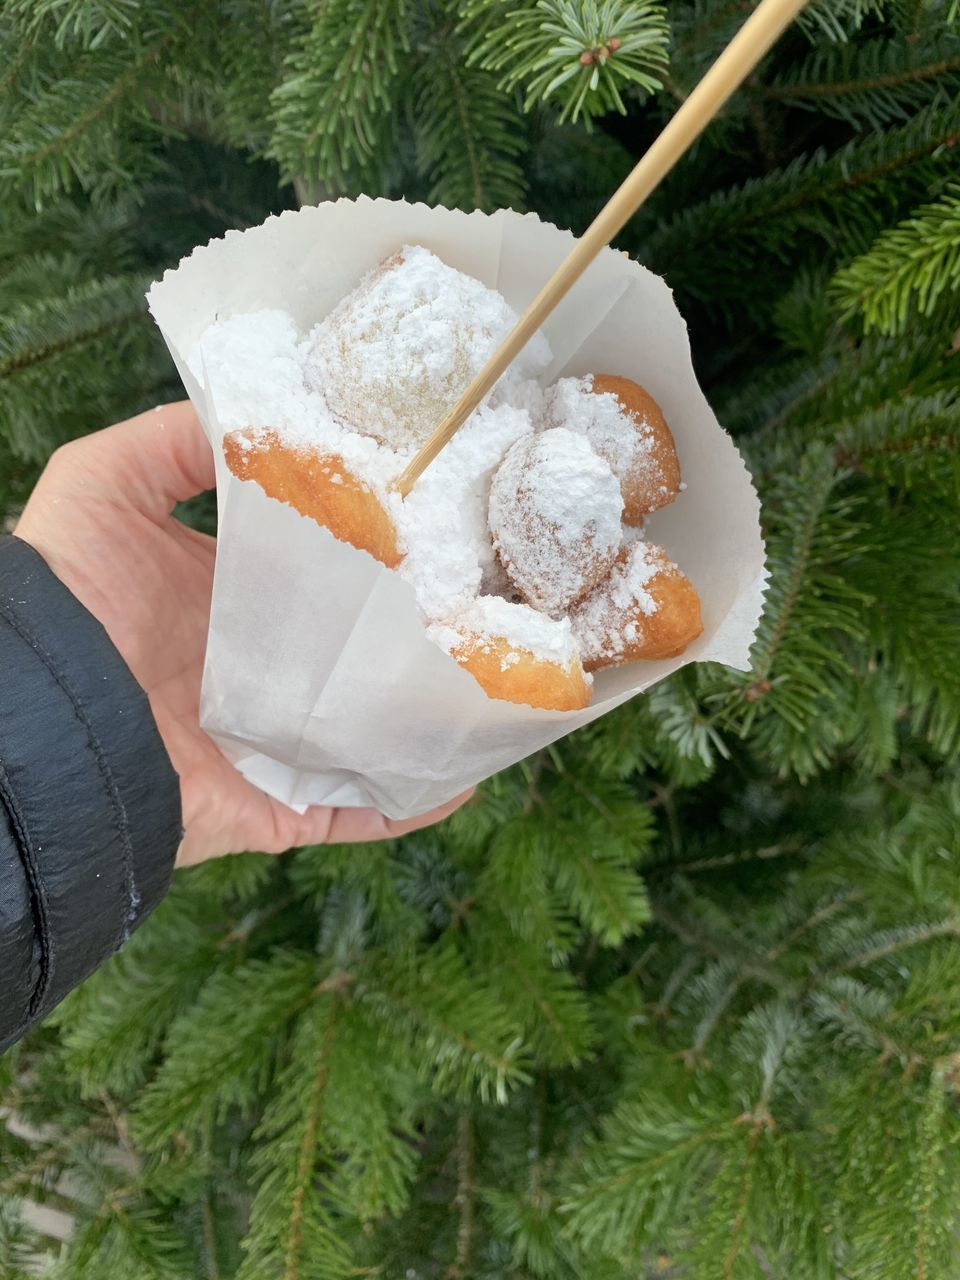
(579,55)
(908,269)
(680,995)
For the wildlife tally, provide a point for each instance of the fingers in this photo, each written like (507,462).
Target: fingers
(403,827)
(318,825)
(152,461)
(351,826)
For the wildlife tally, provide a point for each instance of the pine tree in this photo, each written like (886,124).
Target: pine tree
(679,996)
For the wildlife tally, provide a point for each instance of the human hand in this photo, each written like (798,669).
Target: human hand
(101,517)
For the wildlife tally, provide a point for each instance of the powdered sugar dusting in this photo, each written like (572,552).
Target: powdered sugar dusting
(555,511)
(524,629)
(607,618)
(394,356)
(443,521)
(252,367)
(631,533)
(622,441)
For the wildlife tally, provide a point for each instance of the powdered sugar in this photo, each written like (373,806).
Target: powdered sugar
(251,367)
(394,356)
(608,616)
(524,629)
(522,393)
(443,521)
(614,433)
(555,517)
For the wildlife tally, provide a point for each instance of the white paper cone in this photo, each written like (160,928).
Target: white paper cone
(320,684)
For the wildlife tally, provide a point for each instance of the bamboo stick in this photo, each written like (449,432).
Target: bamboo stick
(755,37)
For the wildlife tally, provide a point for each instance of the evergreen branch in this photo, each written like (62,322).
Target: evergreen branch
(499,1064)
(597,878)
(49,385)
(335,111)
(909,571)
(861,1014)
(817,917)
(35,333)
(798,90)
(120,88)
(931,1129)
(873,82)
(768,646)
(477,195)
(643,1155)
(543,1003)
(211,1261)
(91,127)
(580,56)
(53,1155)
(909,267)
(307,1157)
(811,609)
(466,1194)
(912,442)
(781,608)
(807,194)
(25,42)
(784,392)
(467,1039)
(18,1244)
(897,940)
(469,152)
(89,23)
(724,949)
(743,1199)
(899,1171)
(837,19)
(707,25)
(718,986)
(783,850)
(687,965)
(322,1160)
(515,880)
(546,1001)
(204,1073)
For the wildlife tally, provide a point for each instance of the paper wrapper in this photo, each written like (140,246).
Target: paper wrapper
(320,683)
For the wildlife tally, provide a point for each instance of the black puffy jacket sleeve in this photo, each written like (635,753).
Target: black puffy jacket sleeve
(89,802)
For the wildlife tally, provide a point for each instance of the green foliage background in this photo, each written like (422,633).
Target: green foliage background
(680,997)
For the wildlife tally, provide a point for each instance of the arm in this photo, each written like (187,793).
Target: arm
(89,802)
(103,625)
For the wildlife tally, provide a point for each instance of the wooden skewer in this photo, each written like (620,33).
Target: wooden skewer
(758,33)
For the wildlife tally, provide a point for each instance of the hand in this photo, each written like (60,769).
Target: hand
(101,518)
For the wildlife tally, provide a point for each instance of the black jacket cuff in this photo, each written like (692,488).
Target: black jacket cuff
(90,815)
